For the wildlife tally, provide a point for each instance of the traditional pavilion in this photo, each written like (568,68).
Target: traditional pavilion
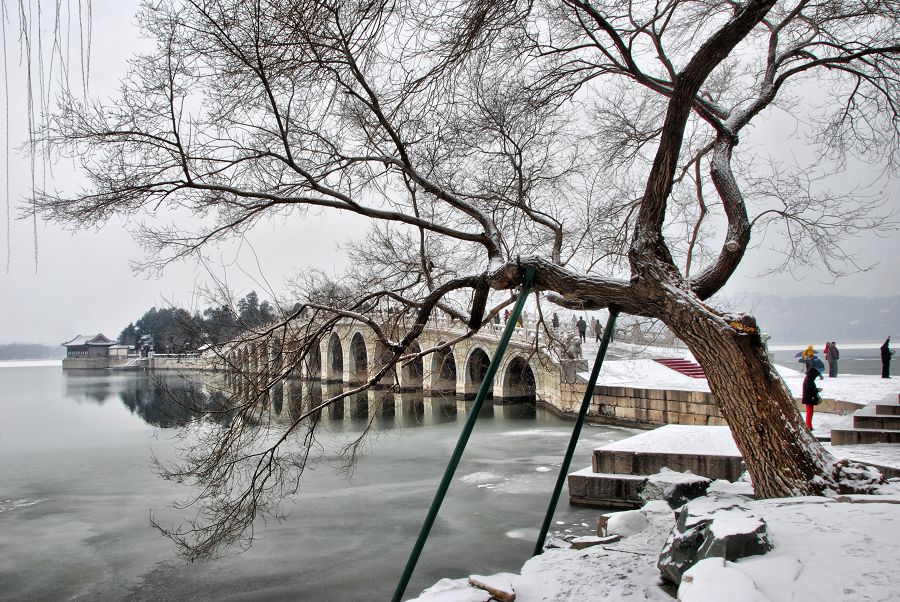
(88,346)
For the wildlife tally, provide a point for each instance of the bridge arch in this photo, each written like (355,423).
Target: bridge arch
(519,382)
(359,359)
(476,368)
(334,358)
(443,371)
(411,373)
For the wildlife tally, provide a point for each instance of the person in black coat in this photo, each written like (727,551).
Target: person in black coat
(886,354)
(811,394)
(832,355)
(581,325)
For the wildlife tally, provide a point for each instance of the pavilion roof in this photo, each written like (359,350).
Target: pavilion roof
(82,340)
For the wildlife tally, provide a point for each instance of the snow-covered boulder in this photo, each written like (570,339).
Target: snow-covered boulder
(717,579)
(708,528)
(721,488)
(624,523)
(675,488)
(855,477)
(629,522)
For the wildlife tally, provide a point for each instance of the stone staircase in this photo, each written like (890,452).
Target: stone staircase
(875,423)
(686,367)
(619,470)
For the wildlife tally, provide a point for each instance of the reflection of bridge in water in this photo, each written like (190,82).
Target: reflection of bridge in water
(166,400)
(384,407)
(351,354)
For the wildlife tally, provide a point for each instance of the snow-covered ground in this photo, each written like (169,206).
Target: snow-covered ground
(644,373)
(680,439)
(824,549)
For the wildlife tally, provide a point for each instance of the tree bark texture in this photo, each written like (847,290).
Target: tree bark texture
(782,456)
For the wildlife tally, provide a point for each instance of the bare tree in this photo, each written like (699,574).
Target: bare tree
(594,141)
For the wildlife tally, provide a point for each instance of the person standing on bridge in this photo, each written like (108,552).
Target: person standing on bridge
(598,329)
(582,328)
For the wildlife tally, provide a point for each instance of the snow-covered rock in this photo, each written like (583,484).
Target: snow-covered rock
(716,579)
(675,488)
(721,488)
(825,549)
(854,477)
(629,522)
(708,528)
(622,523)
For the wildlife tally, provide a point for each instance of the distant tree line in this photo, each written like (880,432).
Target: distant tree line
(176,330)
(30,351)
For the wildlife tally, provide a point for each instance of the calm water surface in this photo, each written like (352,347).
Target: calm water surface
(77,489)
(852,361)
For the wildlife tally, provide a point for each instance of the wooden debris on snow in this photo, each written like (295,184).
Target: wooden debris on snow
(498,586)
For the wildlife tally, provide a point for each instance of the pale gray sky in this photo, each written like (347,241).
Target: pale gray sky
(84,283)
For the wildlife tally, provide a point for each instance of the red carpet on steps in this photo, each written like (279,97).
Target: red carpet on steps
(686,367)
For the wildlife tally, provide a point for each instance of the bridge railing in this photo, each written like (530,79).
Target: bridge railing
(525,331)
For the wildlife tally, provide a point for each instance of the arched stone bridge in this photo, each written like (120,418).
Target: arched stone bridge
(351,354)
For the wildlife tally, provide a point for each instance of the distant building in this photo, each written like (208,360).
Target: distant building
(91,352)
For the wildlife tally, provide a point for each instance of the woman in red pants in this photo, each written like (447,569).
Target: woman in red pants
(811,394)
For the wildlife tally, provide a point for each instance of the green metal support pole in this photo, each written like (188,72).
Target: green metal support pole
(576,432)
(463,437)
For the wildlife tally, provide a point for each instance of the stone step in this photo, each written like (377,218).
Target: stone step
(644,463)
(707,451)
(857,436)
(887,409)
(885,422)
(686,367)
(601,490)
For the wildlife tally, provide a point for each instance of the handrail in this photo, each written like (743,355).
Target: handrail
(463,438)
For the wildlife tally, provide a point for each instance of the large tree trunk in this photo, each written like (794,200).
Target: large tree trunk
(783,457)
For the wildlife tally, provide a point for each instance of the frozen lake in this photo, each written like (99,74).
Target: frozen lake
(77,489)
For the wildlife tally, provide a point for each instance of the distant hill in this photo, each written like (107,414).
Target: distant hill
(820,319)
(31,351)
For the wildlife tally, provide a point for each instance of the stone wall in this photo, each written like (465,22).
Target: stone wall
(642,407)
(649,408)
(91,363)
(833,406)
(181,362)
